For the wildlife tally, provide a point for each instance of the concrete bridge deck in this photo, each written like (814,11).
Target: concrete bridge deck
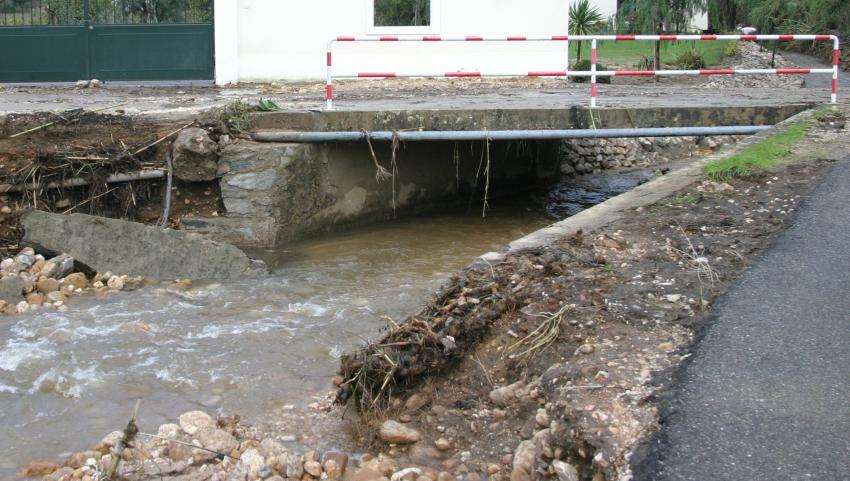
(374,97)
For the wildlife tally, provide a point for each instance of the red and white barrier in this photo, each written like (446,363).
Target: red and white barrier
(592,73)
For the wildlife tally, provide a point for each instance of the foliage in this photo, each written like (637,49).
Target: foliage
(267,105)
(402,13)
(731,49)
(757,157)
(584,20)
(690,60)
(645,63)
(584,65)
(71,12)
(659,16)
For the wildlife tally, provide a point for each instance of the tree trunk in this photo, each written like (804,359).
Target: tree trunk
(578,53)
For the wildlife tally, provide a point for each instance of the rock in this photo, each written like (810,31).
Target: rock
(40,468)
(192,421)
(78,460)
(542,418)
(332,469)
(11,289)
(366,474)
(506,395)
(47,285)
(35,299)
(565,472)
(444,476)
(416,402)
(116,283)
(525,458)
(180,285)
(22,307)
(216,439)
(194,156)
(135,248)
(58,267)
(253,461)
(395,432)
(443,444)
(77,279)
(294,466)
(585,349)
(56,296)
(407,474)
(313,468)
(339,459)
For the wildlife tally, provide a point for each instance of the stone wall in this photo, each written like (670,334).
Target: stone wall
(585,156)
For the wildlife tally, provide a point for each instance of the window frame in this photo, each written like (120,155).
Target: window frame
(432,29)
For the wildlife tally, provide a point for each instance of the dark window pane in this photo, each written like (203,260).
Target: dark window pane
(402,13)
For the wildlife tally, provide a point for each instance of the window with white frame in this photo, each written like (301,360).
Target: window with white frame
(403,16)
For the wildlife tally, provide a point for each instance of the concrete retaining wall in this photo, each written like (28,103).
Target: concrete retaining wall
(277,192)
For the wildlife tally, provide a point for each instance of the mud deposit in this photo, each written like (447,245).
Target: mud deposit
(265,349)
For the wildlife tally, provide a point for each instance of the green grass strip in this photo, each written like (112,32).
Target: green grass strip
(757,157)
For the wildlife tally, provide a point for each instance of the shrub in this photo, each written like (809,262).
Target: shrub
(731,49)
(645,63)
(584,65)
(690,60)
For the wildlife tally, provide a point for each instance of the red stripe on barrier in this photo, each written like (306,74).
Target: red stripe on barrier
(329,59)
(593,56)
(389,39)
(716,72)
(708,37)
(345,39)
(431,39)
(463,74)
(836,57)
(786,38)
(376,75)
(793,71)
(835,85)
(329,92)
(560,37)
(593,89)
(823,37)
(547,74)
(751,38)
(517,39)
(474,39)
(635,73)
(625,37)
(669,37)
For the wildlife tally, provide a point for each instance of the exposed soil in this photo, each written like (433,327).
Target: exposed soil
(580,337)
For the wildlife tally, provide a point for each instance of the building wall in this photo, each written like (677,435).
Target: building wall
(267,40)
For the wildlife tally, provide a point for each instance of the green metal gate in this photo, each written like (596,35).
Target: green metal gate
(68,40)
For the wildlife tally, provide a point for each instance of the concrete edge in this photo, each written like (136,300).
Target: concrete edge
(649,193)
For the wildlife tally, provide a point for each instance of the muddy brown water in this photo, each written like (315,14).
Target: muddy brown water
(264,348)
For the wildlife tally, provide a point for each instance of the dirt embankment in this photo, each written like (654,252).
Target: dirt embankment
(553,362)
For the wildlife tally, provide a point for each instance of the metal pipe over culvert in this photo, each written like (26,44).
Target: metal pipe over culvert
(474,135)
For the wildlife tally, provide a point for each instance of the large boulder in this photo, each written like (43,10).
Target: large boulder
(121,247)
(194,156)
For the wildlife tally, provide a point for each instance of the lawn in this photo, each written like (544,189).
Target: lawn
(629,53)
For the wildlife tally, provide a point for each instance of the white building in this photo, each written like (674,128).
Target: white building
(264,40)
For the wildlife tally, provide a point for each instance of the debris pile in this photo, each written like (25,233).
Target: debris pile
(751,55)
(29,282)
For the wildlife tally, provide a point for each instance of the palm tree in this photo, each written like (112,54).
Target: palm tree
(584,20)
(660,16)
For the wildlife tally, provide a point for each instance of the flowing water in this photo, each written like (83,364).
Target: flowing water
(263,348)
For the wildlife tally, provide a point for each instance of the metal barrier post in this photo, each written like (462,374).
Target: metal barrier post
(836,64)
(329,87)
(593,86)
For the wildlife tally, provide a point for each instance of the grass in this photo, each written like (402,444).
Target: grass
(630,52)
(757,157)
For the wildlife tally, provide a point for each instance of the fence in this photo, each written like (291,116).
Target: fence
(593,74)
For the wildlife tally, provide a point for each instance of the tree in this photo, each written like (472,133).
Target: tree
(659,16)
(584,20)
(390,13)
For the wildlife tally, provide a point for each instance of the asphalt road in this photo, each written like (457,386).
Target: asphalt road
(767,393)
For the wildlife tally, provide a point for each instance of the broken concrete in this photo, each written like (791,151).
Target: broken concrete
(129,248)
(11,289)
(195,156)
